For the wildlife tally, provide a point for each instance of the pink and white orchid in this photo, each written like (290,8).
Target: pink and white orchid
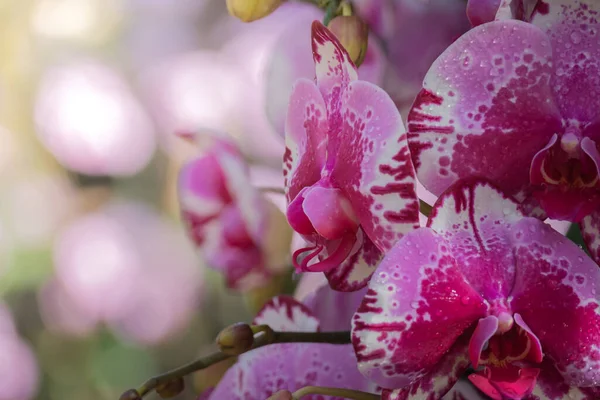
(517,103)
(229,220)
(486,286)
(260,373)
(350,184)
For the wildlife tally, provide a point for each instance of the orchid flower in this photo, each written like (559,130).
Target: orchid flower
(229,220)
(486,286)
(260,373)
(517,103)
(350,184)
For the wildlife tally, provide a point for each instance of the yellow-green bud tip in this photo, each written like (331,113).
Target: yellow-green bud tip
(236,339)
(251,10)
(131,394)
(353,34)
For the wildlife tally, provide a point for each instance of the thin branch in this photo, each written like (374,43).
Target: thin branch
(337,392)
(264,336)
(271,189)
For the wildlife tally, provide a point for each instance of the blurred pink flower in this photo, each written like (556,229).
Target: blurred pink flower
(18,365)
(87,117)
(231,223)
(410,48)
(125,266)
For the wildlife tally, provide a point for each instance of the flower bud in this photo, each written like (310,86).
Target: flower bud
(131,394)
(236,339)
(170,389)
(353,34)
(251,10)
(282,395)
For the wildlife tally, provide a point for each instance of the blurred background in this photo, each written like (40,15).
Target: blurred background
(99,286)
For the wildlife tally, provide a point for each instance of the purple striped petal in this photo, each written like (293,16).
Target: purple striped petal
(284,313)
(482,11)
(305,138)
(333,65)
(373,166)
(557,292)
(573,27)
(264,371)
(551,386)
(590,229)
(354,273)
(440,380)
(485,109)
(476,218)
(417,306)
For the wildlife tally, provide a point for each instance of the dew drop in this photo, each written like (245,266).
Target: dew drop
(576,37)
(414,304)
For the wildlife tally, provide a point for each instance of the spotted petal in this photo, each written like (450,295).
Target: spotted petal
(373,166)
(264,371)
(284,313)
(417,306)
(440,380)
(485,109)
(573,27)
(476,218)
(590,229)
(557,292)
(334,68)
(305,138)
(551,386)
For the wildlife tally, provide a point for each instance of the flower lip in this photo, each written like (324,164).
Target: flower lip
(322,213)
(567,166)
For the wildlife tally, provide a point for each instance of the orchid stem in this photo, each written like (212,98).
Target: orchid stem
(273,189)
(425,208)
(337,392)
(342,337)
(264,335)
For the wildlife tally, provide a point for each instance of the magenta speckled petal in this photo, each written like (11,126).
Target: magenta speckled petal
(354,273)
(305,138)
(333,66)
(334,309)
(551,386)
(417,305)
(284,313)
(482,11)
(476,218)
(590,229)
(573,28)
(373,166)
(557,292)
(439,381)
(262,372)
(486,108)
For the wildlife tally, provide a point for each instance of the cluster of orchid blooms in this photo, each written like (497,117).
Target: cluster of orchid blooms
(506,132)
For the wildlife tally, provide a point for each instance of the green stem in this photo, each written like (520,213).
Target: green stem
(336,392)
(264,336)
